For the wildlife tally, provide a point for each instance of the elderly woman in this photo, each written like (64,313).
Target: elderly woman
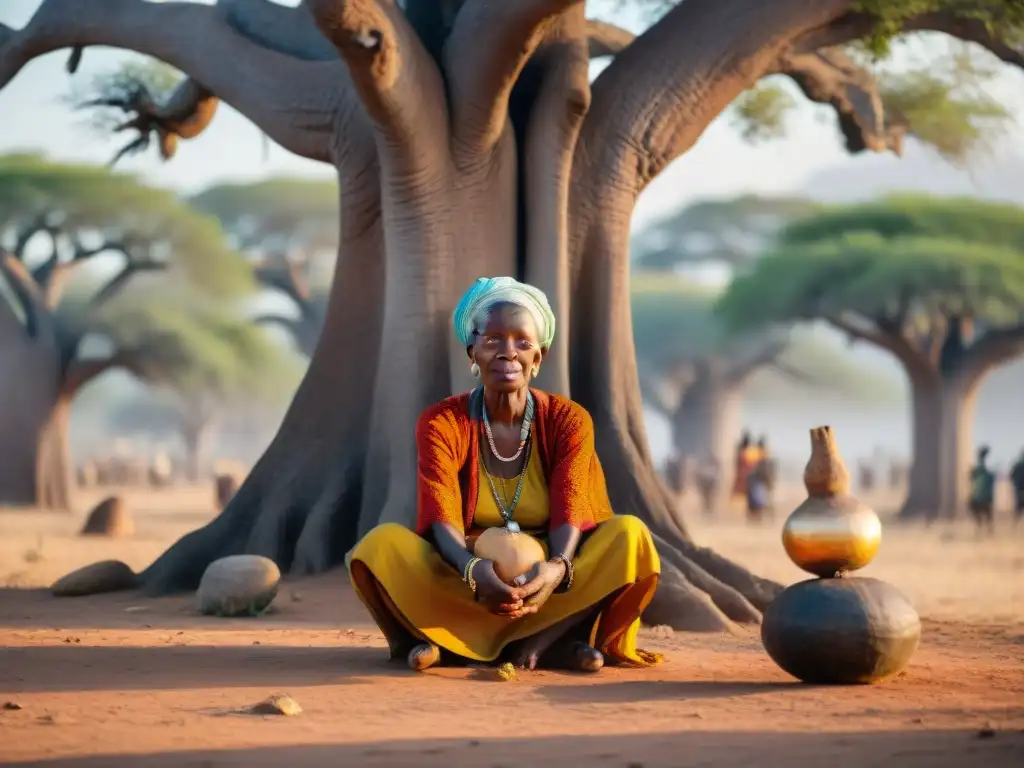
(508,455)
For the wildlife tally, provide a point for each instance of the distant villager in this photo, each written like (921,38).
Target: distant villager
(675,473)
(1017,482)
(866,476)
(708,479)
(759,482)
(897,474)
(225,487)
(983,487)
(747,457)
(86,474)
(161,471)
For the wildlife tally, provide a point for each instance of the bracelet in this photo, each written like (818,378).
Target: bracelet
(467,573)
(566,584)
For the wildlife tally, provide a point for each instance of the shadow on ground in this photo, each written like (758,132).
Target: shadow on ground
(174,667)
(906,749)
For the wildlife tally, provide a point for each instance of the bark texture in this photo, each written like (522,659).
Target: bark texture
(468,142)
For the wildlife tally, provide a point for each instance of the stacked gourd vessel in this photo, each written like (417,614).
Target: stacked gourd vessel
(837,628)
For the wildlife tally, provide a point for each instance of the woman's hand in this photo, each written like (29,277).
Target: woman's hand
(495,594)
(538,584)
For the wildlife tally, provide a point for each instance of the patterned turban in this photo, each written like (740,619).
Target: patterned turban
(488,291)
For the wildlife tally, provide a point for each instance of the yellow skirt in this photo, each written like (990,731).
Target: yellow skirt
(618,558)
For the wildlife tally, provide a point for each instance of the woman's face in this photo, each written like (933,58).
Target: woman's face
(507,349)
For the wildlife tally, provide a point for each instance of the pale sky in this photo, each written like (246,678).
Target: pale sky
(31,117)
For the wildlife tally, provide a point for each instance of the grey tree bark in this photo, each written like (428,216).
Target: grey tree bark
(468,142)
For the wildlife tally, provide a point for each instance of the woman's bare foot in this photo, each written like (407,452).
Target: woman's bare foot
(423,657)
(575,655)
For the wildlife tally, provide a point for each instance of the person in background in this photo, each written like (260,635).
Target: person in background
(983,486)
(1017,481)
(709,476)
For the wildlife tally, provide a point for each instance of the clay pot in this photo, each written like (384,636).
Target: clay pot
(841,631)
(831,532)
(513,553)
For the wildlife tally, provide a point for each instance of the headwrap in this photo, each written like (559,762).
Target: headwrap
(488,291)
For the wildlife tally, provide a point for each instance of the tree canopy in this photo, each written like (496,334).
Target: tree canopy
(675,323)
(904,265)
(729,231)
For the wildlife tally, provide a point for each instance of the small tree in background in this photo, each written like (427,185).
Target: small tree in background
(697,374)
(289,228)
(203,365)
(728,233)
(59,225)
(937,283)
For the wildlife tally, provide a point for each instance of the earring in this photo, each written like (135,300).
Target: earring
(536,372)
(474,369)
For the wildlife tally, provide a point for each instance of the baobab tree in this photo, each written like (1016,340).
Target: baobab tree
(58,225)
(289,229)
(698,374)
(469,141)
(936,283)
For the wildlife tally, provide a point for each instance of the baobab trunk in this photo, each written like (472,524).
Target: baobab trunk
(942,438)
(34,463)
(707,423)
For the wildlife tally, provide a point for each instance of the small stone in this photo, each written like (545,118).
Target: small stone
(104,576)
(12,706)
(109,518)
(278,704)
(506,672)
(136,608)
(239,585)
(986,732)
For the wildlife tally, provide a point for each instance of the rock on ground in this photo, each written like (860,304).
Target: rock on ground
(239,585)
(109,518)
(104,576)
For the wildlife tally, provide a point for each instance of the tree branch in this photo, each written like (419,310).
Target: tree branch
(81,372)
(38,320)
(295,102)
(606,39)
(488,47)
(129,270)
(830,76)
(398,84)
(992,349)
(762,354)
(286,277)
(896,345)
(794,373)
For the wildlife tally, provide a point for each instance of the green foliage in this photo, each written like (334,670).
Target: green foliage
(91,204)
(909,256)
(759,114)
(1005,18)
(300,212)
(731,231)
(674,321)
(207,356)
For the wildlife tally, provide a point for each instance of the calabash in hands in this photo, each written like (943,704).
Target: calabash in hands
(513,553)
(850,630)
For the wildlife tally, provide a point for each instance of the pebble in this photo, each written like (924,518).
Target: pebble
(104,576)
(278,704)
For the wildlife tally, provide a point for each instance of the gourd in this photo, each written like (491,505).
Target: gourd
(513,553)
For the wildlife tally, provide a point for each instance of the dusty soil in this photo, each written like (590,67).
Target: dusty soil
(119,680)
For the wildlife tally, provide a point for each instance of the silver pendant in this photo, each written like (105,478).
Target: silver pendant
(512,526)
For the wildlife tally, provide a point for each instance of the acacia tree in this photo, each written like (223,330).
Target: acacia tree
(698,374)
(58,223)
(289,228)
(939,284)
(203,364)
(730,233)
(468,141)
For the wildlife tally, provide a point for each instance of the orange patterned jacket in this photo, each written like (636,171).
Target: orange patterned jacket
(447,446)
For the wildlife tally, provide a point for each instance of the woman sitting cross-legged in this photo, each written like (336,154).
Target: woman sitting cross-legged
(508,455)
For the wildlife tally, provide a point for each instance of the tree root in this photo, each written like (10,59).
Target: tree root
(682,606)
